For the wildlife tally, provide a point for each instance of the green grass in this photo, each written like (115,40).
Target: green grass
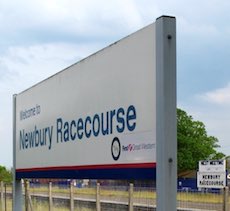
(38,206)
(42,206)
(200,197)
(8,205)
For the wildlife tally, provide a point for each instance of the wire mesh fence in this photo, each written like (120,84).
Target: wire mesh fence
(71,196)
(201,200)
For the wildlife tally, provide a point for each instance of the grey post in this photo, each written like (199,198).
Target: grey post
(26,195)
(225,199)
(50,197)
(98,200)
(166,113)
(17,185)
(71,196)
(2,195)
(130,197)
(28,200)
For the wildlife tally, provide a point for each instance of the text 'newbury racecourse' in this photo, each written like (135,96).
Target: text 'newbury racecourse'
(105,123)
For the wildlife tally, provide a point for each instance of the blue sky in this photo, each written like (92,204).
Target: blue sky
(42,37)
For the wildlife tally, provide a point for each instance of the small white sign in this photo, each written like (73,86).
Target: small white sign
(212,166)
(211,179)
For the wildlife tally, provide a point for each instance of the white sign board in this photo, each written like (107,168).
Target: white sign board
(211,179)
(212,166)
(101,117)
(98,113)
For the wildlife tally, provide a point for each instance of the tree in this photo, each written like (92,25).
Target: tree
(193,142)
(5,175)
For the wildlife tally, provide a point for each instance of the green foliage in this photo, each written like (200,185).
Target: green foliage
(193,142)
(5,175)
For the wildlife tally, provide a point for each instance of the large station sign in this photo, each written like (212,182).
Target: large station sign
(95,119)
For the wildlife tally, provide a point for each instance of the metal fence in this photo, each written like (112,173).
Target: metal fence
(69,196)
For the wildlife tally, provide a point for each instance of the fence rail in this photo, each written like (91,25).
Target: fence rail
(54,197)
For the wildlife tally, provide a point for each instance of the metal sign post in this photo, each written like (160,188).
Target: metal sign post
(166,113)
(17,185)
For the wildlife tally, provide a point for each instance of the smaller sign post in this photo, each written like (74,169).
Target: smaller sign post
(211,174)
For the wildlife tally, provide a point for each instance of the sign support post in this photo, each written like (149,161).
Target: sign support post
(17,185)
(166,113)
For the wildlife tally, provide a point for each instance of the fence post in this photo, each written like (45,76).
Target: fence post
(225,204)
(50,197)
(98,204)
(29,199)
(130,197)
(26,195)
(71,196)
(5,197)
(2,196)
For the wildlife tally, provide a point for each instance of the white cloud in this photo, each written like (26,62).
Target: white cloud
(215,119)
(219,96)
(213,109)
(69,17)
(206,30)
(35,63)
